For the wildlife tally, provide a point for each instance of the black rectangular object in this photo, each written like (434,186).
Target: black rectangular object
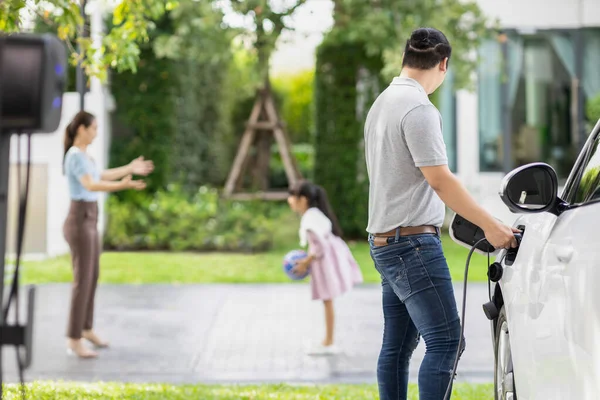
(469,233)
(32,82)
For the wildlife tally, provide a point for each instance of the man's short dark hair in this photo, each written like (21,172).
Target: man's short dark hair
(425,49)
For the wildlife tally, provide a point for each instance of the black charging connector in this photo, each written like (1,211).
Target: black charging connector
(511,254)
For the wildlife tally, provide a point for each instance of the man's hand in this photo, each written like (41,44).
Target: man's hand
(501,236)
(301,266)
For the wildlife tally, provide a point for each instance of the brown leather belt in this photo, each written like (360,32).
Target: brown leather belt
(382,239)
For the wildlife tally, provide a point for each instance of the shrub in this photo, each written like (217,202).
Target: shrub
(593,109)
(173,220)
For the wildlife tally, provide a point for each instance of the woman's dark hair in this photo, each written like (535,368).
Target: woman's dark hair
(81,118)
(425,49)
(317,197)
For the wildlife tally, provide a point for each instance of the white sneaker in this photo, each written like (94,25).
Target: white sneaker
(320,350)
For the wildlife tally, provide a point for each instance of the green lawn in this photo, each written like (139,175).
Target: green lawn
(102,391)
(180,268)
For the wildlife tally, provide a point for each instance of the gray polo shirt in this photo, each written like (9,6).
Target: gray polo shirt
(403,132)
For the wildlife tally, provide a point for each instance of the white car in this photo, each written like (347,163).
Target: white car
(545,307)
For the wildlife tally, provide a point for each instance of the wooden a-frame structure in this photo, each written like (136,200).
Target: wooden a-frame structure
(264,121)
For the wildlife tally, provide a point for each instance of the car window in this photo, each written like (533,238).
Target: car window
(588,186)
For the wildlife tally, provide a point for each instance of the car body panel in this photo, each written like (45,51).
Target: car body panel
(552,306)
(551,294)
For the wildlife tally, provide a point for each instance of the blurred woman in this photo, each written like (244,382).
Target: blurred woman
(80,228)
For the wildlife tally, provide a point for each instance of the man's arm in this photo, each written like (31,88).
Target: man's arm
(422,130)
(455,195)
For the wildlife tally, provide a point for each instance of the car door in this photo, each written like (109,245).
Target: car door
(553,304)
(577,254)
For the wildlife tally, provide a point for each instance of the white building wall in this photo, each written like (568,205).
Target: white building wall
(543,14)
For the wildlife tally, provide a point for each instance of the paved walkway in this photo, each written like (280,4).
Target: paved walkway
(229,333)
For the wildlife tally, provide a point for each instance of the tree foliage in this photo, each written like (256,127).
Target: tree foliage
(383,26)
(295,95)
(183,92)
(200,49)
(118,48)
(362,51)
(269,23)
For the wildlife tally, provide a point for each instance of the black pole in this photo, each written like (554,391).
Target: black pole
(4,173)
(4,165)
(80,76)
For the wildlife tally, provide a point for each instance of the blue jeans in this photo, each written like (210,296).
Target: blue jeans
(418,300)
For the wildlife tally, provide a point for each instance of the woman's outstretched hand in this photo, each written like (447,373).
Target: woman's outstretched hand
(128,183)
(139,166)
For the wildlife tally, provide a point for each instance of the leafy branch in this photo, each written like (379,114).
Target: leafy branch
(118,48)
(269,24)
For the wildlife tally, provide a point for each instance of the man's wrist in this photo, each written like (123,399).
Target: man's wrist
(489,223)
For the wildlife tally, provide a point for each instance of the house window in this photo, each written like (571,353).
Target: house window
(527,91)
(447,106)
(489,96)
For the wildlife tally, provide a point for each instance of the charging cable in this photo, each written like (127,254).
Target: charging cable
(462,325)
(464,306)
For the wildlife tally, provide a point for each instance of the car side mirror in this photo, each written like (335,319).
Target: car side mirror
(532,188)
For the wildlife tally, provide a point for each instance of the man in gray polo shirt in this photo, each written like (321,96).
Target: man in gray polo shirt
(409,184)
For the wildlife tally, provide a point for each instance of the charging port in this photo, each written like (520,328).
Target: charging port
(511,254)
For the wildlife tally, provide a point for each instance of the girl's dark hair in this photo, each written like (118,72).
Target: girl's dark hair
(317,197)
(81,118)
(426,48)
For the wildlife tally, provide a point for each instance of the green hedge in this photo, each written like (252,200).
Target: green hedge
(143,122)
(339,153)
(174,220)
(204,139)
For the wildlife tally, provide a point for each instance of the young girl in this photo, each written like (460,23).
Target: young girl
(333,269)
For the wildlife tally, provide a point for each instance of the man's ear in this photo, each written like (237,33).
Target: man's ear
(444,65)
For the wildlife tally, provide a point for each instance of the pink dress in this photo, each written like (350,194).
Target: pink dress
(334,271)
